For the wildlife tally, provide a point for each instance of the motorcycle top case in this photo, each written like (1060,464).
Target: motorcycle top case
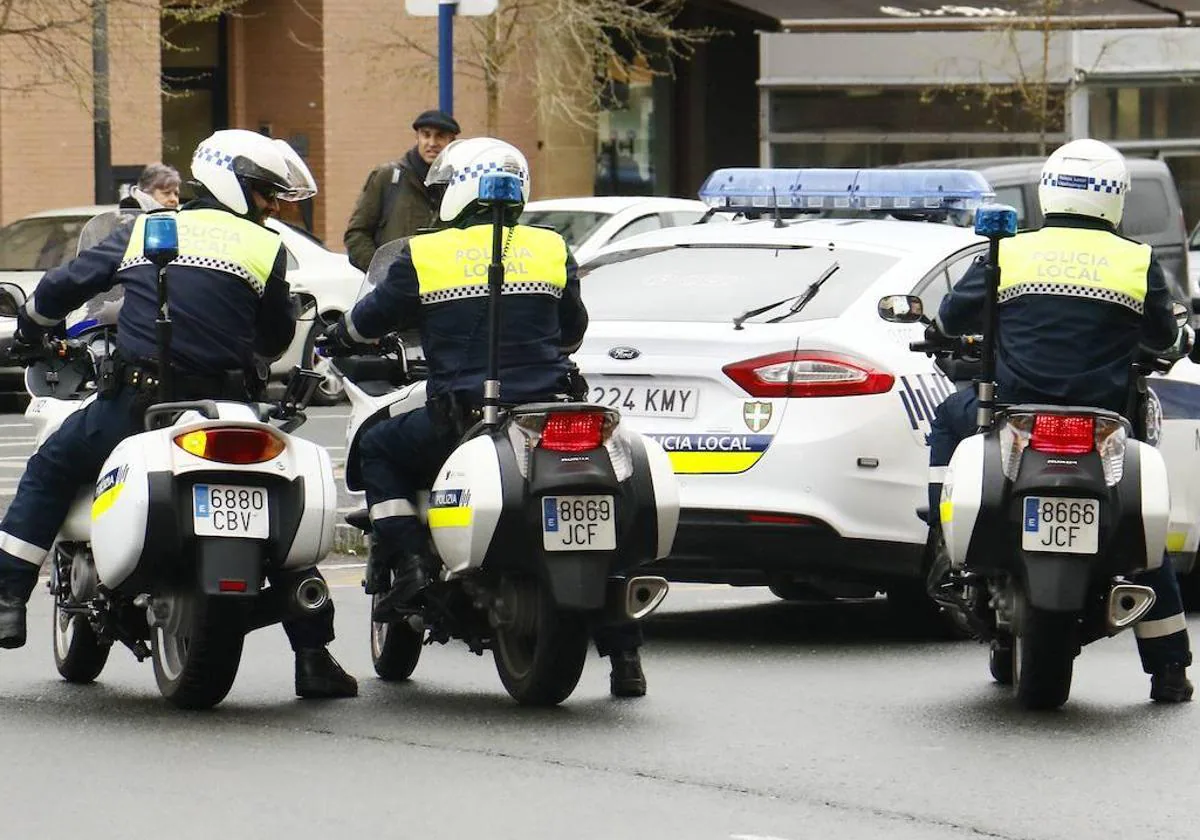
(981,510)
(142,507)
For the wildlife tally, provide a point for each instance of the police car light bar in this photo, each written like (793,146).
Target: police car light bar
(816,190)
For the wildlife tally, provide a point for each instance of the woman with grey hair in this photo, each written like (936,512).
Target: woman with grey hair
(157,188)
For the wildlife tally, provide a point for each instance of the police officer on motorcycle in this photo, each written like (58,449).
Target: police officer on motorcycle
(439,285)
(1076,302)
(229,299)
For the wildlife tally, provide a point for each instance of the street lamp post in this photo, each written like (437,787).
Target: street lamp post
(445,10)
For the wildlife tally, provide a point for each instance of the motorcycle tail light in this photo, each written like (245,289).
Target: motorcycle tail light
(1110,444)
(1014,438)
(1064,434)
(570,431)
(231,445)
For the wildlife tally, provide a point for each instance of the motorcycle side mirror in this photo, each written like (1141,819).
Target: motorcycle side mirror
(12,299)
(160,244)
(1182,316)
(902,309)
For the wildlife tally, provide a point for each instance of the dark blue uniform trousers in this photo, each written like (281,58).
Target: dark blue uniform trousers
(400,457)
(70,459)
(1162,637)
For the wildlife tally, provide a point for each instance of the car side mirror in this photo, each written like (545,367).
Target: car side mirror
(902,309)
(160,241)
(12,299)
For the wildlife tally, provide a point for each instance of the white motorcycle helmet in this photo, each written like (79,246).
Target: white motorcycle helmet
(458,168)
(233,160)
(1085,178)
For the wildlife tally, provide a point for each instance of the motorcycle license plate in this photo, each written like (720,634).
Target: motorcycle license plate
(1061,526)
(578,523)
(229,510)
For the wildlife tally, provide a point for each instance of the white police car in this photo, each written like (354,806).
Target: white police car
(794,415)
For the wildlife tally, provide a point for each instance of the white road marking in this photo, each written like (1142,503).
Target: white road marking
(754,837)
(28,442)
(16,426)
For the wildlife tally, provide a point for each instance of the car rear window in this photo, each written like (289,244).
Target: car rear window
(716,283)
(575,226)
(1147,209)
(39,244)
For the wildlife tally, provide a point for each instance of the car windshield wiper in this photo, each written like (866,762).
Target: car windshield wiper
(801,300)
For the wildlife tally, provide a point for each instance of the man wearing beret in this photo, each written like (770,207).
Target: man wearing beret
(394,201)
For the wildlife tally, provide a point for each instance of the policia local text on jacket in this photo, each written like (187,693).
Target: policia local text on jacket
(1076,301)
(228,298)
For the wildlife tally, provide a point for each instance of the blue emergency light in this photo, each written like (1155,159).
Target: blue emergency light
(817,190)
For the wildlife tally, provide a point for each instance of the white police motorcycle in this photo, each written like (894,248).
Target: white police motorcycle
(539,517)
(167,553)
(1046,515)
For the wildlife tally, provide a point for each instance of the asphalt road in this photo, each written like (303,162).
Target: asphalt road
(764,720)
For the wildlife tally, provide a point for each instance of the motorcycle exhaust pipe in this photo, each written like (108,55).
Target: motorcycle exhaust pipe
(1127,604)
(643,595)
(298,598)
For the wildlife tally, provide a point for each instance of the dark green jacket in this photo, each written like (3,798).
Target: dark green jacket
(410,210)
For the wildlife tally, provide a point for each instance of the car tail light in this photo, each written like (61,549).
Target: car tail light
(1063,434)
(808,374)
(231,445)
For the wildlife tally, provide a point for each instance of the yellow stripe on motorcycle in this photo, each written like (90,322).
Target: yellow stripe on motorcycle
(1176,541)
(946,511)
(105,500)
(718,463)
(450,517)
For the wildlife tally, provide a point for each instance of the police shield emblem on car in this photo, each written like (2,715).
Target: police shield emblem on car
(757,415)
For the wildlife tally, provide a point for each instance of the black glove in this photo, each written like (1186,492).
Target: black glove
(18,349)
(335,341)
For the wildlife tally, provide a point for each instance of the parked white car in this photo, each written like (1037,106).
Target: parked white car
(324,280)
(794,416)
(588,224)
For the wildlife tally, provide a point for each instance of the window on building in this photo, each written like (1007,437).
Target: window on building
(195,81)
(632,147)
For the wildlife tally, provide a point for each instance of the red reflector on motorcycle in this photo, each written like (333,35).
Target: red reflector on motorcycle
(777,519)
(231,446)
(230,585)
(1063,434)
(575,431)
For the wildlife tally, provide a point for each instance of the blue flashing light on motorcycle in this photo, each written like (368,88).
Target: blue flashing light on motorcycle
(812,190)
(161,243)
(996,221)
(500,188)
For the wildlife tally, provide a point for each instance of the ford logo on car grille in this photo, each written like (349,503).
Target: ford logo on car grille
(624,354)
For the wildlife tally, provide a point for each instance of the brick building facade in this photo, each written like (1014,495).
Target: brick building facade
(328,76)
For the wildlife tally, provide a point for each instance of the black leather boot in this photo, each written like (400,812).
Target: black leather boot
(12,621)
(15,589)
(404,598)
(319,676)
(627,679)
(1171,685)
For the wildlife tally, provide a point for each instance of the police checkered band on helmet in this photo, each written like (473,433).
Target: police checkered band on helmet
(536,287)
(1072,290)
(207,154)
(478,170)
(1110,186)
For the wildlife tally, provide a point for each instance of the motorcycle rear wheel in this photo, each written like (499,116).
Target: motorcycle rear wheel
(1044,654)
(395,648)
(197,651)
(79,654)
(539,650)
